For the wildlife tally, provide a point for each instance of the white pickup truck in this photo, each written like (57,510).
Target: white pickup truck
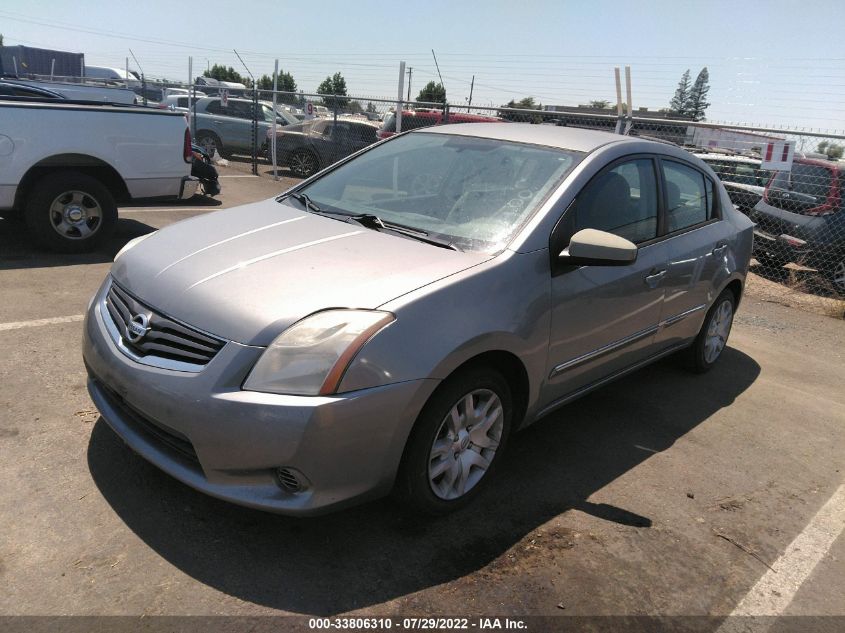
(64,165)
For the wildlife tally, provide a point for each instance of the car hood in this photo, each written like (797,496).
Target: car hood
(247,273)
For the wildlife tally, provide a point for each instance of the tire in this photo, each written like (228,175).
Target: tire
(713,337)
(210,142)
(70,212)
(304,163)
(439,472)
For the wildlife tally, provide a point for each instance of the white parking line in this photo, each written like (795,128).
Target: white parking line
(240,176)
(165,209)
(17,325)
(775,590)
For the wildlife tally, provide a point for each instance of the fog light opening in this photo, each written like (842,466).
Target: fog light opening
(290,480)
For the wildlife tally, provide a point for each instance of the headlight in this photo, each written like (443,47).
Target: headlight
(132,243)
(311,356)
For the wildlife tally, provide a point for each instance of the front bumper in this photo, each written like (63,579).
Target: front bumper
(202,429)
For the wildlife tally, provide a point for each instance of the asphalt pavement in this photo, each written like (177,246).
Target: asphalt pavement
(665,493)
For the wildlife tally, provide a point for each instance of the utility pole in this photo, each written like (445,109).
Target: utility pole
(471,86)
(410,72)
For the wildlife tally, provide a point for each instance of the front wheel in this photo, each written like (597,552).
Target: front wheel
(711,340)
(70,212)
(456,442)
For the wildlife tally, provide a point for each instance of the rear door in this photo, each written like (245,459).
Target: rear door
(698,248)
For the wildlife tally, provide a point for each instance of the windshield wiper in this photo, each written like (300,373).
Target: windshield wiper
(374,222)
(309,204)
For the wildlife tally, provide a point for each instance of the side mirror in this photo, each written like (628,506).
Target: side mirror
(590,247)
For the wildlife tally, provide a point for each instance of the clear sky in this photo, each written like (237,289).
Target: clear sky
(771,62)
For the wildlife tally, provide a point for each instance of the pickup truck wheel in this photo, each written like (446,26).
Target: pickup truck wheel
(303,163)
(70,212)
(210,142)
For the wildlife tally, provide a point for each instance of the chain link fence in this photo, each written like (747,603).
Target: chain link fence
(790,182)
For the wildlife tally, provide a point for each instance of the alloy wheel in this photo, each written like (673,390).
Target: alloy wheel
(718,330)
(465,444)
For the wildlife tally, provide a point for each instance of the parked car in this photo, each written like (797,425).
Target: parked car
(414,119)
(63,172)
(308,147)
(228,128)
(744,178)
(180,102)
(801,219)
(353,337)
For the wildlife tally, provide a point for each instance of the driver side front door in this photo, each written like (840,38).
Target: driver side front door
(604,318)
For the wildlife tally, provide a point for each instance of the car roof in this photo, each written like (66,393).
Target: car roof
(577,139)
(733,158)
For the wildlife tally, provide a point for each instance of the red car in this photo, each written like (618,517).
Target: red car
(413,119)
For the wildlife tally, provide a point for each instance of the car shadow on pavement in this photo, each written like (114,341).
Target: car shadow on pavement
(17,250)
(374,553)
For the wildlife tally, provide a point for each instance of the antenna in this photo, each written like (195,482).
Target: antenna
(137,63)
(245,66)
(438,70)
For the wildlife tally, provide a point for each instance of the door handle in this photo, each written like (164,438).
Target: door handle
(654,278)
(719,250)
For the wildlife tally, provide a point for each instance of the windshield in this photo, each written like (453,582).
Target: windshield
(473,192)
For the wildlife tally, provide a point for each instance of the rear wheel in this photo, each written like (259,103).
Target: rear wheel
(210,142)
(457,442)
(713,337)
(303,163)
(70,212)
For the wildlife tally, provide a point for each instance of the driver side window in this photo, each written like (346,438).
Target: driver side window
(622,200)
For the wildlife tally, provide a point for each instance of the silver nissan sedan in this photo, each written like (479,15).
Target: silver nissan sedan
(388,323)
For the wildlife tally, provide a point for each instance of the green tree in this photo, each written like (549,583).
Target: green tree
(371,108)
(285,83)
(527,103)
(354,107)
(696,103)
(1,39)
(833,151)
(432,93)
(334,88)
(222,73)
(678,103)
(601,104)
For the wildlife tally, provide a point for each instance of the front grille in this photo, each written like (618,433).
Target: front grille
(164,338)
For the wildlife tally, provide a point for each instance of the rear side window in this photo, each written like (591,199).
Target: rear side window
(214,107)
(622,200)
(687,202)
